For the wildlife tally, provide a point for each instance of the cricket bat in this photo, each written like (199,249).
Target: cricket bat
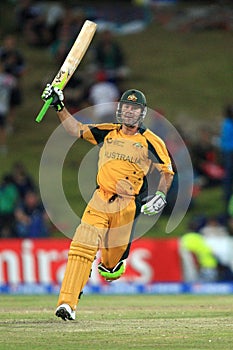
(72,61)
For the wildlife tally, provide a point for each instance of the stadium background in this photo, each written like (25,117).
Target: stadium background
(184,71)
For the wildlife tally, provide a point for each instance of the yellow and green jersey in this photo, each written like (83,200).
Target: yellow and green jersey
(125,160)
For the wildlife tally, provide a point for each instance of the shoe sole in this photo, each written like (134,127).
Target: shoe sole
(64,314)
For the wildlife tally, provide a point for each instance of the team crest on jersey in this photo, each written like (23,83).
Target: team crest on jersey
(138,145)
(132,98)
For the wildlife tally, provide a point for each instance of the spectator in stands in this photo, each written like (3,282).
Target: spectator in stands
(226,141)
(54,12)
(230,215)
(7,84)
(31,20)
(214,227)
(109,57)
(25,11)
(210,266)
(22,180)
(102,95)
(8,200)
(12,57)
(77,92)
(206,159)
(67,31)
(206,262)
(14,64)
(31,217)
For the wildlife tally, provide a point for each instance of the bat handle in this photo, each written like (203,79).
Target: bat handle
(44,110)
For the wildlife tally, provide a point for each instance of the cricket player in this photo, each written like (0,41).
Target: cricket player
(128,152)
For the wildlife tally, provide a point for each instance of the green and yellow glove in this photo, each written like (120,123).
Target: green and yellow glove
(155,205)
(115,273)
(56,94)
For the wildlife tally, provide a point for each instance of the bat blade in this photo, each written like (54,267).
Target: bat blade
(72,61)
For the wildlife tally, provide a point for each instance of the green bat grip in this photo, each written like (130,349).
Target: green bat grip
(44,110)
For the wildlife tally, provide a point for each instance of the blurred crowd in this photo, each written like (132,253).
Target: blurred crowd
(12,69)
(212,157)
(52,27)
(22,214)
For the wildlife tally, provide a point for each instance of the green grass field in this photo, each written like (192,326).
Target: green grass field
(118,323)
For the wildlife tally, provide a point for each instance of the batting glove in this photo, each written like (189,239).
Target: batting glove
(113,274)
(155,205)
(56,94)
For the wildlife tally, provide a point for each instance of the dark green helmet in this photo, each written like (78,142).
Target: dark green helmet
(132,96)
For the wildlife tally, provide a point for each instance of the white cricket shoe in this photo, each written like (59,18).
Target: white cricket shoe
(65,312)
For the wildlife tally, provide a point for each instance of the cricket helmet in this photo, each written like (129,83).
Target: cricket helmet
(134,97)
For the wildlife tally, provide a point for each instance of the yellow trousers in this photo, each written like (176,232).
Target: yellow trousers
(107,224)
(110,218)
